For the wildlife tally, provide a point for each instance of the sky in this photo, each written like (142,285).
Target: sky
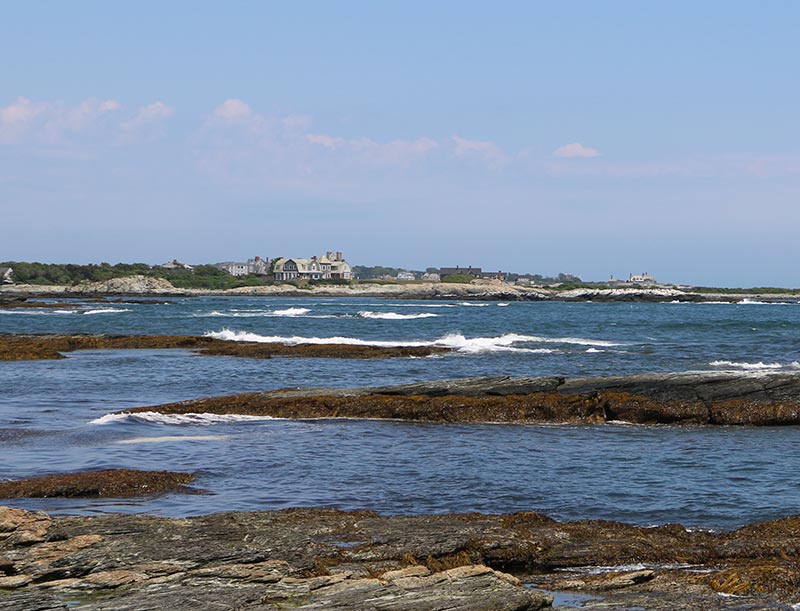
(585,137)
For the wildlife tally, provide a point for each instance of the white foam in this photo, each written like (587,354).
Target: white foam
(455,341)
(244,336)
(287,313)
(170,438)
(502,305)
(195,419)
(394,315)
(35,312)
(755,366)
(105,311)
(593,350)
(467,304)
(291,312)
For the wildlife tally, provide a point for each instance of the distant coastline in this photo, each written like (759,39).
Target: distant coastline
(484,291)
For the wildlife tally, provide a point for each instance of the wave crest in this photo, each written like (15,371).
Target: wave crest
(394,315)
(194,419)
(455,341)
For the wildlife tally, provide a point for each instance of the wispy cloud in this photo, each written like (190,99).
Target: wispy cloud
(148,115)
(388,152)
(50,121)
(488,150)
(576,149)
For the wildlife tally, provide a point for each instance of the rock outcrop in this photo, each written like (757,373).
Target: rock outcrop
(720,398)
(487,290)
(314,559)
(91,484)
(38,347)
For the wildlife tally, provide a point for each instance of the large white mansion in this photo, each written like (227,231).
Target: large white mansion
(331,266)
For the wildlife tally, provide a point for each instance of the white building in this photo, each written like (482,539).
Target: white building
(256,265)
(644,278)
(6,275)
(328,267)
(175,264)
(406,276)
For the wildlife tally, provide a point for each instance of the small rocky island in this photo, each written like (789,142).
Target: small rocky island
(696,398)
(50,347)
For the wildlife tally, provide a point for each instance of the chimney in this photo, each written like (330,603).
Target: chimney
(339,256)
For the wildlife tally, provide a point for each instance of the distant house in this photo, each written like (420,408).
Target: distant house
(6,275)
(493,275)
(469,271)
(331,266)
(233,268)
(406,276)
(431,277)
(644,278)
(175,264)
(255,266)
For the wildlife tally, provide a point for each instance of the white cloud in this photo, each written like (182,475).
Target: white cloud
(462,147)
(329,142)
(109,105)
(394,151)
(576,149)
(21,112)
(152,113)
(234,109)
(80,117)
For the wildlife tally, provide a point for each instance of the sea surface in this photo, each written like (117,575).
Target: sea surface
(54,414)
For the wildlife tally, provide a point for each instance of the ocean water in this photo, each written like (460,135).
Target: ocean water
(52,412)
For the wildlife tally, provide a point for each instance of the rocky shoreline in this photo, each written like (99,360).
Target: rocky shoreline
(314,559)
(491,290)
(688,398)
(51,347)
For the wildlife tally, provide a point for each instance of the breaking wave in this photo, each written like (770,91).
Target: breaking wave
(105,311)
(394,315)
(48,312)
(468,304)
(196,419)
(755,366)
(291,312)
(503,343)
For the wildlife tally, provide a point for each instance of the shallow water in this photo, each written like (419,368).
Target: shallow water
(700,476)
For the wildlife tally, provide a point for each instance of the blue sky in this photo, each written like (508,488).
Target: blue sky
(594,138)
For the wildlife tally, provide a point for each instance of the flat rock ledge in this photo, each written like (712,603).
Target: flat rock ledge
(700,398)
(97,484)
(315,559)
(42,347)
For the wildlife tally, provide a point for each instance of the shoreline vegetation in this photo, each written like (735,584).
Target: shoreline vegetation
(317,558)
(16,295)
(689,398)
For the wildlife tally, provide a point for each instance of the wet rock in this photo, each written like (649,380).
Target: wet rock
(292,559)
(36,347)
(30,601)
(108,483)
(722,398)
(15,303)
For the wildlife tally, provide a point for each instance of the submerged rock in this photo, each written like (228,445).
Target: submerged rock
(721,398)
(108,483)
